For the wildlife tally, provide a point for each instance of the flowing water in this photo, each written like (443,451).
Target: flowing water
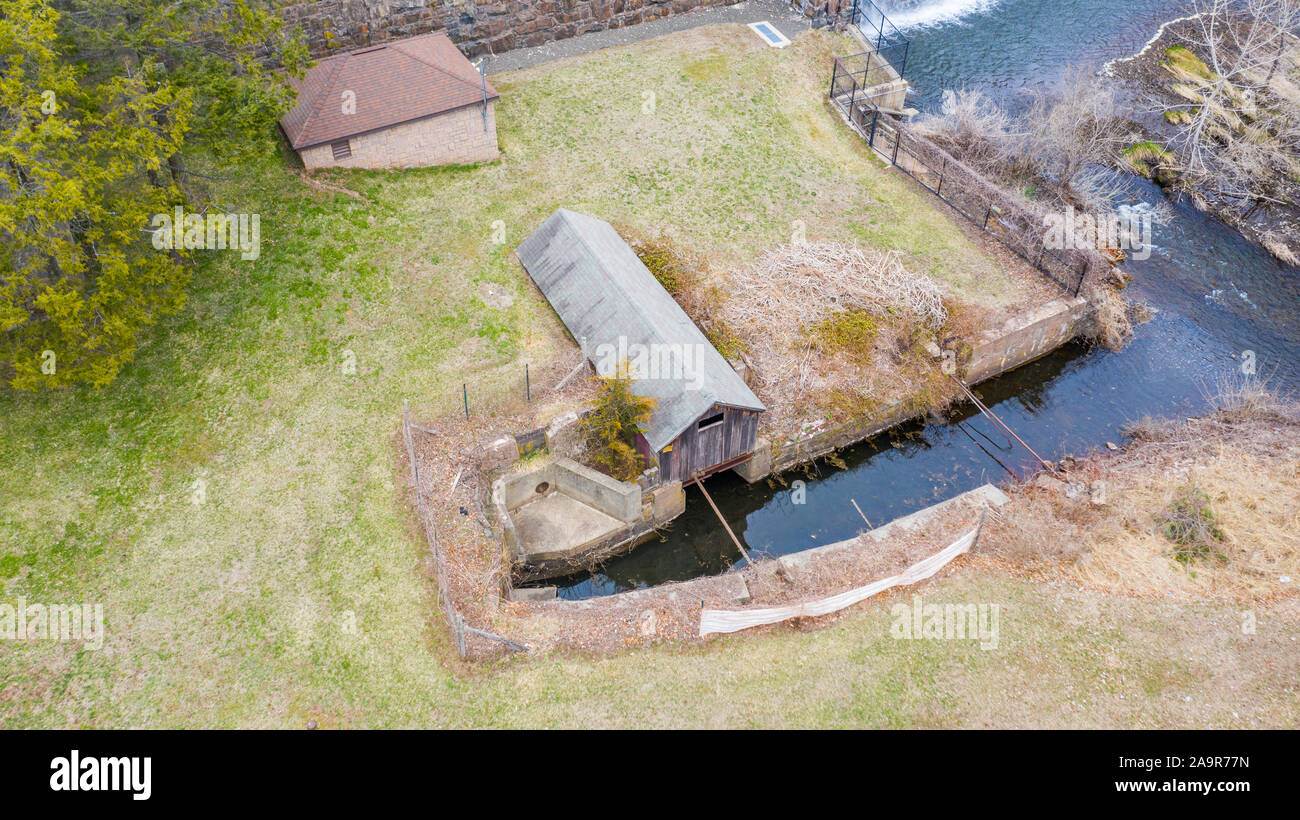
(1218,300)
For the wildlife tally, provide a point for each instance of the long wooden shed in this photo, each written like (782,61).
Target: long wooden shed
(705,417)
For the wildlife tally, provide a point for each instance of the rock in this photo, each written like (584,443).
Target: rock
(785,569)
(1110,445)
(1047,481)
(533,594)
(1097,493)
(500,453)
(932,350)
(1075,489)
(562,434)
(735,588)
(648,625)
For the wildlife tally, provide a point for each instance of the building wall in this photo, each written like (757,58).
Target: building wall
(451,138)
(697,449)
(478,28)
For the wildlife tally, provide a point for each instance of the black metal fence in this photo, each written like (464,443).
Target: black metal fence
(857,74)
(1016,226)
(883,35)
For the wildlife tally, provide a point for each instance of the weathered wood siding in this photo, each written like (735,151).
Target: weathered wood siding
(698,450)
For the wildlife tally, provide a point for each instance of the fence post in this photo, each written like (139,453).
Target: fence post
(464,392)
(942,170)
(898,140)
(871,138)
(528,385)
(987,212)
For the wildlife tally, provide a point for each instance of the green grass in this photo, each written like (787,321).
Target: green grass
(236,612)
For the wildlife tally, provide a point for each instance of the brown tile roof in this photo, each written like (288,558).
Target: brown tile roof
(395,82)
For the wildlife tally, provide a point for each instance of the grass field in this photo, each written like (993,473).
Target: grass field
(237,611)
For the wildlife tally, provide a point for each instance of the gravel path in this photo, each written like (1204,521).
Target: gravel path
(779,13)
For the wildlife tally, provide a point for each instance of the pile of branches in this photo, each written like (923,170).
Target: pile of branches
(776,303)
(813,279)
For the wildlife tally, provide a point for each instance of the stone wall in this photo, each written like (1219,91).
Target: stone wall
(456,137)
(478,28)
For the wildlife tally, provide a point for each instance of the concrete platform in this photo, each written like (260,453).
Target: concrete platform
(556,526)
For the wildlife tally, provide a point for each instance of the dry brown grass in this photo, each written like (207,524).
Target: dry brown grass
(1244,458)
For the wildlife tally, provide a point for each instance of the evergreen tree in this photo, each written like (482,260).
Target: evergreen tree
(100,101)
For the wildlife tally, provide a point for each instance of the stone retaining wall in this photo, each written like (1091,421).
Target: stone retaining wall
(478,28)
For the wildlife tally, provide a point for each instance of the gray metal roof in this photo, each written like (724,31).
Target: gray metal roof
(602,292)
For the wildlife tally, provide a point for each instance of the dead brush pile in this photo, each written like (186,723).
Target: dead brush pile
(1202,508)
(796,308)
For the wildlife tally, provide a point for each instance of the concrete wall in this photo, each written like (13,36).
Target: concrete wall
(1021,339)
(456,137)
(640,514)
(619,499)
(522,487)
(1026,336)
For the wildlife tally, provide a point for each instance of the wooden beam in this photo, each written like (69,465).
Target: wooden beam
(698,483)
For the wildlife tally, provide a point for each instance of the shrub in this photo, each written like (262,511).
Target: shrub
(611,428)
(1191,525)
(852,332)
(666,264)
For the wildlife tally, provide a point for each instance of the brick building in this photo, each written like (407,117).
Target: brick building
(410,102)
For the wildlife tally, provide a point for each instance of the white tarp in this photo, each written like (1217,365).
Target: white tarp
(725,620)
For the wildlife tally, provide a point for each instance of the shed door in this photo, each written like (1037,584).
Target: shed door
(710,440)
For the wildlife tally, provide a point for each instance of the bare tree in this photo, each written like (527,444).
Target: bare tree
(1239,143)
(971,126)
(1071,136)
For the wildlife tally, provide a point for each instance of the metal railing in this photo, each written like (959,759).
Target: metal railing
(881,34)
(1009,221)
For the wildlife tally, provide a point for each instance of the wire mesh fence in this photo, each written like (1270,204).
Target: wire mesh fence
(1017,226)
(455,620)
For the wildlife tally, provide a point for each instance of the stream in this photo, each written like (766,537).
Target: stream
(1217,300)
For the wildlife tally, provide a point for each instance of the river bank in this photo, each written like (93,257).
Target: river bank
(1108,523)
(1244,169)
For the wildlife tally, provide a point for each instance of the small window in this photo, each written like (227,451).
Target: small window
(710,421)
(342,149)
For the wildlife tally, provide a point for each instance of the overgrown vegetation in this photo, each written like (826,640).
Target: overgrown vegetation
(611,428)
(1060,148)
(1228,83)
(1217,493)
(1191,525)
(698,294)
(103,108)
(851,332)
